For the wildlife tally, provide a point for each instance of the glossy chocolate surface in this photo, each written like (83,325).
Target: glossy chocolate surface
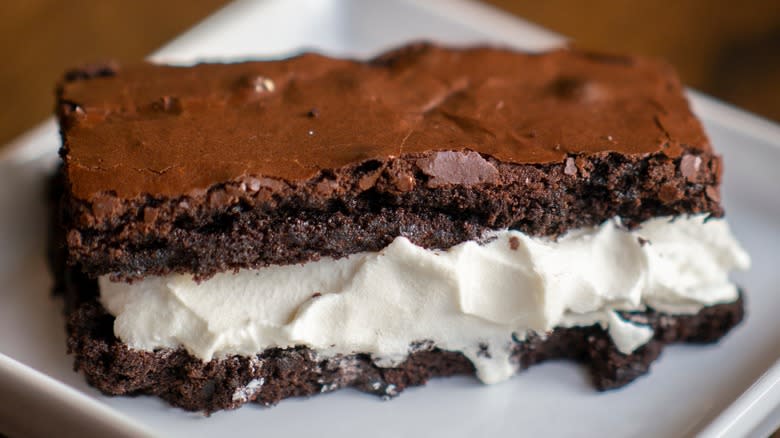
(165,131)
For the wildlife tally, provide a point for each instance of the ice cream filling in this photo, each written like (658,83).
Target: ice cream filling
(476,297)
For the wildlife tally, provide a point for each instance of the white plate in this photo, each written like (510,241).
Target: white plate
(689,390)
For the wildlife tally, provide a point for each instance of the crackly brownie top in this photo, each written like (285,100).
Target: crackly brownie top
(157,130)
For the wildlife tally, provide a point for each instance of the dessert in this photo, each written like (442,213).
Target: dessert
(254,231)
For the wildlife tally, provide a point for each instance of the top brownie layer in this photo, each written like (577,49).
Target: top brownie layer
(224,166)
(166,131)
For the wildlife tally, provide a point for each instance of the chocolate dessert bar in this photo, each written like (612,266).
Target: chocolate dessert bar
(228,233)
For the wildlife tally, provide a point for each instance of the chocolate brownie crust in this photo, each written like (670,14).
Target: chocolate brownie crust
(167,131)
(252,223)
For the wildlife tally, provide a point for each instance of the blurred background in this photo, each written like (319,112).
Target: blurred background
(727,49)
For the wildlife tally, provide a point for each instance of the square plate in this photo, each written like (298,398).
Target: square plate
(731,388)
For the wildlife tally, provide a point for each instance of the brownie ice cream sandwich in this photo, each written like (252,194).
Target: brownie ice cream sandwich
(247,232)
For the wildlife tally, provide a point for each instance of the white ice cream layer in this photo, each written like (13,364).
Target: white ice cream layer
(469,295)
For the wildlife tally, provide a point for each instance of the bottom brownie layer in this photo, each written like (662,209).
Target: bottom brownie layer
(275,374)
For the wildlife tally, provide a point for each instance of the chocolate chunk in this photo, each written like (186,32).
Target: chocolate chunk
(571,168)
(106,206)
(462,168)
(690,167)
(254,184)
(367,181)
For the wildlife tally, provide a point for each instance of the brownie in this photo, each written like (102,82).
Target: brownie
(227,166)
(217,167)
